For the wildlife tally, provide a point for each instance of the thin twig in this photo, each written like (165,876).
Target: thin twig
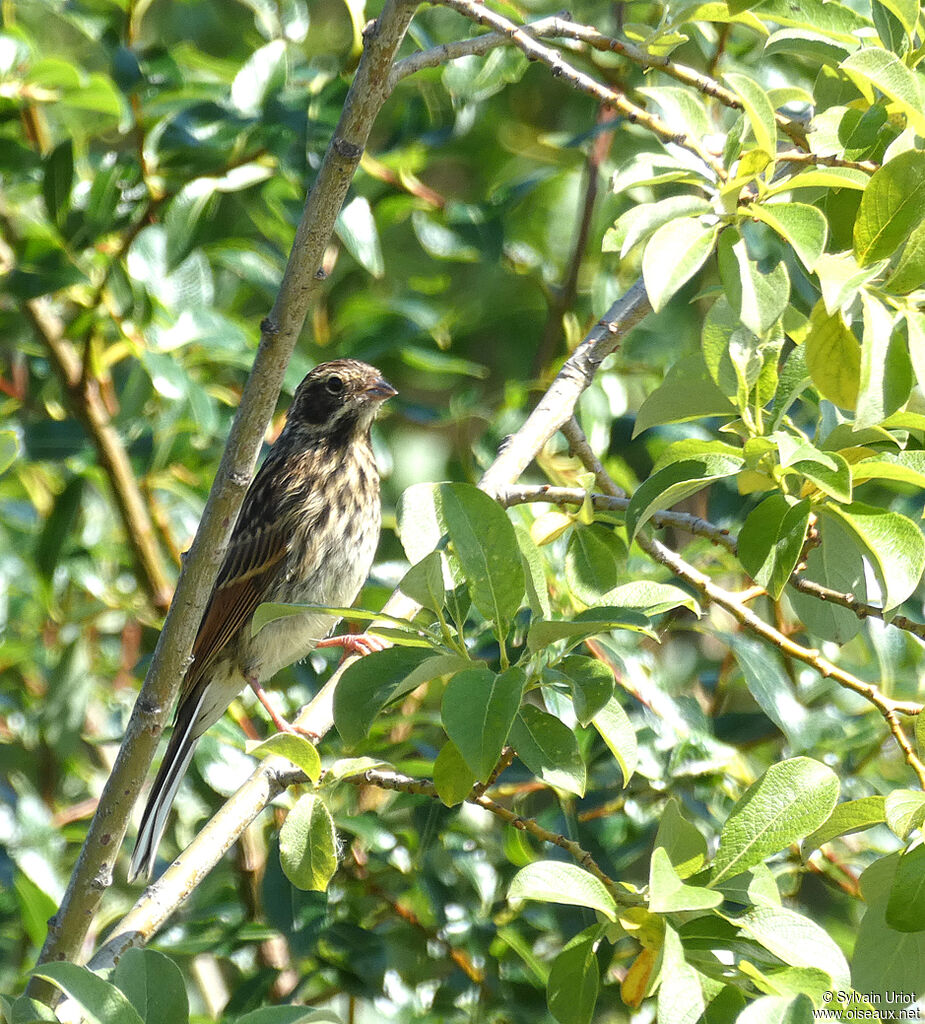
(562,299)
(424,787)
(535,50)
(889,708)
(664,519)
(83,396)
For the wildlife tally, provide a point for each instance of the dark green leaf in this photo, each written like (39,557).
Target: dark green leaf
(371,683)
(771,540)
(549,749)
(478,710)
(154,985)
(308,845)
(790,800)
(674,483)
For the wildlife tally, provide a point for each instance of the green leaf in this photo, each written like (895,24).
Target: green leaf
(674,483)
(850,816)
(894,545)
(650,598)
(769,685)
(905,811)
(261,75)
(797,941)
(591,683)
(679,106)
(756,297)
(771,540)
(905,467)
(534,574)
(574,980)
(674,253)
(682,843)
(308,845)
(486,546)
(371,683)
(549,749)
(758,109)
(154,985)
(802,226)
(593,560)
(833,357)
(808,45)
(289,1015)
(617,731)
(790,800)
(478,711)
(542,633)
(893,205)
(905,11)
(553,881)
(356,228)
(831,19)
(9,449)
(840,279)
(453,778)
(821,177)
(885,961)
(680,995)
(103,1003)
(59,526)
(642,220)
(837,564)
(687,393)
(905,910)
(909,273)
(669,895)
(350,767)
(829,471)
(423,582)
(295,748)
(886,372)
(58,180)
(876,67)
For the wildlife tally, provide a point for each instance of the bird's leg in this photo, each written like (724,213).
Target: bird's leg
(355,643)
(281,724)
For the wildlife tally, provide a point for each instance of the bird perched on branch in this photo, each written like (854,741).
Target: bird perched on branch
(306,534)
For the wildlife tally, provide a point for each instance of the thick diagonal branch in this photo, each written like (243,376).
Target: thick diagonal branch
(281,329)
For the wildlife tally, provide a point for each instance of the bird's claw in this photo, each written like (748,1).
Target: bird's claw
(355,643)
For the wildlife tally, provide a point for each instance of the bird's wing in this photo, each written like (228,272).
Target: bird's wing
(255,555)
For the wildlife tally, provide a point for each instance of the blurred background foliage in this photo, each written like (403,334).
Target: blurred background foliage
(154,157)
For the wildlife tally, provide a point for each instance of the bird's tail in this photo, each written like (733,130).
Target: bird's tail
(176,760)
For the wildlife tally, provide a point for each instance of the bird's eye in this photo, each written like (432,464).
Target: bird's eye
(334,385)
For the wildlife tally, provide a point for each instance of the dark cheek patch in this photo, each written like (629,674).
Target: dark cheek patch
(318,404)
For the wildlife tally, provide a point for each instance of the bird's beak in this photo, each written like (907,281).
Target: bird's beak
(380,390)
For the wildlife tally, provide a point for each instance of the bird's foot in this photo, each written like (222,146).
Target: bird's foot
(355,643)
(281,724)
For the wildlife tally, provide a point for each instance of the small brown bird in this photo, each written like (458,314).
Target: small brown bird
(306,534)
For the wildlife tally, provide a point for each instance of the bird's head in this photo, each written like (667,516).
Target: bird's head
(338,399)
